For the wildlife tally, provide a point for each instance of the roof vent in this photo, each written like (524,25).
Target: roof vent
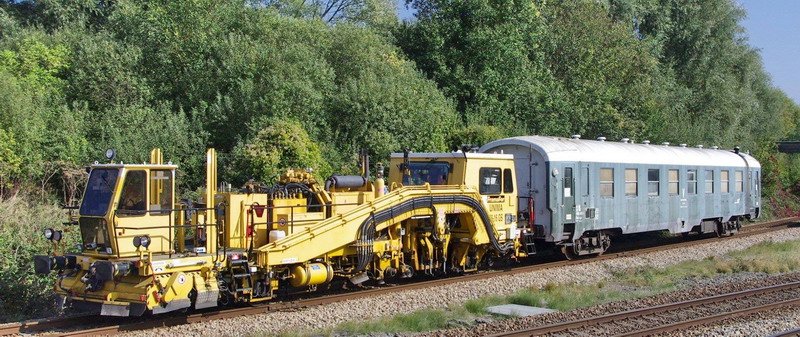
(699,146)
(646,142)
(575,137)
(683,145)
(715,147)
(602,139)
(626,140)
(665,143)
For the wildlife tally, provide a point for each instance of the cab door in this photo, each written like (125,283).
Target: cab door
(568,194)
(143,207)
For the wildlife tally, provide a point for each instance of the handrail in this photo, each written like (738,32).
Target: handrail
(171,213)
(290,222)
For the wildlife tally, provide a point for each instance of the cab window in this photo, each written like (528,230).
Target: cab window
(160,191)
(133,192)
(508,183)
(99,191)
(434,173)
(490,181)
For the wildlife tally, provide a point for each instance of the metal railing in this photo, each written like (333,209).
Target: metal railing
(172,214)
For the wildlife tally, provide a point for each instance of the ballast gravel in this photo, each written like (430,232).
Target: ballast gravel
(331,315)
(690,289)
(759,324)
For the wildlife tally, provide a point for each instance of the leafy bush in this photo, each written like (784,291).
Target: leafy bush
(24,294)
(278,145)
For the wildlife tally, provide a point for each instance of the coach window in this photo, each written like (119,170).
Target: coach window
(739,181)
(758,182)
(606,182)
(508,182)
(709,182)
(490,181)
(587,180)
(653,182)
(567,182)
(724,181)
(631,182)
(691,181)
(674,182)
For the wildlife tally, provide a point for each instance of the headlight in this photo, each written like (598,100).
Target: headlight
(110,154)
(141,241)
(57,236)
(48,233)
(145,241)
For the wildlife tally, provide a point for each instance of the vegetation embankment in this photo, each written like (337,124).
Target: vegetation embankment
(274,84)
(767,257)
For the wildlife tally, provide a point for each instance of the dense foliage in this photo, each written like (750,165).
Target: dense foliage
(274,84)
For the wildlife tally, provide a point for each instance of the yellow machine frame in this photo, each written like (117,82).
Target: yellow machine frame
(441,213)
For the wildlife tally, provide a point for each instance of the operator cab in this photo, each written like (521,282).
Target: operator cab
(491,173)
(127,208)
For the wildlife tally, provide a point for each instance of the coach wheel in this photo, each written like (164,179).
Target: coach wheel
(568,252)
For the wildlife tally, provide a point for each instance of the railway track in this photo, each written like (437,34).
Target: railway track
(673,316)
(112,325)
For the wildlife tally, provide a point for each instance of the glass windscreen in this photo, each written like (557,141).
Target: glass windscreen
(434,173)
(94,233)
(98,191)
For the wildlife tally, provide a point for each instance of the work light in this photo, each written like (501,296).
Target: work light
(48,233)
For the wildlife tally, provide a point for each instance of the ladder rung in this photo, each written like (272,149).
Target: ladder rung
(241,275)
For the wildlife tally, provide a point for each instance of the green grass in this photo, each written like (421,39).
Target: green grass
(766,257)
(419,321)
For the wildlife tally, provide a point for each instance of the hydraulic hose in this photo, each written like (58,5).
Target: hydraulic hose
(367,228)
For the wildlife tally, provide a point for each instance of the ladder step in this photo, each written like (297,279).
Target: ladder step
(238,290)
(242,261)
(242,275)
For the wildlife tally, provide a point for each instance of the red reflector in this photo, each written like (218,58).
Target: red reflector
(249,231)
(234,257)
(142,298)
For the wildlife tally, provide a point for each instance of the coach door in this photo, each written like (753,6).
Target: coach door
(568,194)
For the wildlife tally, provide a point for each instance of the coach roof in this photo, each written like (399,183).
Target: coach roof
(558,149)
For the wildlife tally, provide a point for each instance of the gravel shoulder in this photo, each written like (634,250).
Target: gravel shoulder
(331,315)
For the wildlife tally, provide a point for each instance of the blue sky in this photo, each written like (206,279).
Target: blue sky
(772,26)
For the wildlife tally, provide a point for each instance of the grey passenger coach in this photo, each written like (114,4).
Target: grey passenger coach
(576,194)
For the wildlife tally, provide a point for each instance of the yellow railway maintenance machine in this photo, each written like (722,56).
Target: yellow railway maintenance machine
(143,252)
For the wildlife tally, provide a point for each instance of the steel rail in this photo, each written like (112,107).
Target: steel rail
(168,320)
(637,313)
